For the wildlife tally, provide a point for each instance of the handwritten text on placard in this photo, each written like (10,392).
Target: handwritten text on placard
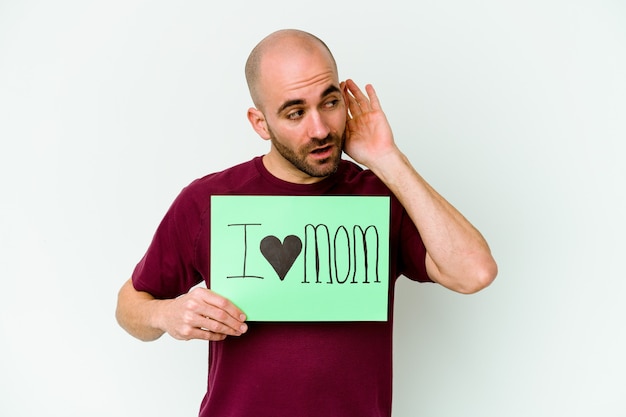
(282,258)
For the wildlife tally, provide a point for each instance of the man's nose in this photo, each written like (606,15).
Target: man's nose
(318,127)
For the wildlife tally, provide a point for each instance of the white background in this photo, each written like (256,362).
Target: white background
(515,111)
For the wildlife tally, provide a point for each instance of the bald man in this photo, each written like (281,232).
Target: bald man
(290,369)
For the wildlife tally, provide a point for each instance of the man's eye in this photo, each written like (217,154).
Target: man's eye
(295,114)
(331,104)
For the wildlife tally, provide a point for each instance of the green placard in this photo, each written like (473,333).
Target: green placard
(302,258)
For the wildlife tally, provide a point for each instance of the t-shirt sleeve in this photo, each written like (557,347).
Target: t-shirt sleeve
(412,251)
(167,269)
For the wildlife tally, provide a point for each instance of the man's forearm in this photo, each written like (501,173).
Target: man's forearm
(458,257)
(136,311)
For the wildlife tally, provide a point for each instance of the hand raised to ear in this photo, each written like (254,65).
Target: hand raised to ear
(368,134)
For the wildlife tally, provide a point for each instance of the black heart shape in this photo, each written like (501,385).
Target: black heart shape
(281,255)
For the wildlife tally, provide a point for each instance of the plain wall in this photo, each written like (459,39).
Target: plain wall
(514,111)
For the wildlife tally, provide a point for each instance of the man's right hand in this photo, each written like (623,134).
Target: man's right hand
(199,314)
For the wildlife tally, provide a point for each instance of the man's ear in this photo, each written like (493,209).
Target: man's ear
(346,99)
(258,122)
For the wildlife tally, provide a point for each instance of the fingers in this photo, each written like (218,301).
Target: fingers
(352,106)
(358,102)
(374,102)
(208,316)
(351,92)
(201,334)
(220,314)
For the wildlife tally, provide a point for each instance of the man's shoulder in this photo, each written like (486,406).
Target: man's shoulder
(226,181)
(360,180)
(238,179)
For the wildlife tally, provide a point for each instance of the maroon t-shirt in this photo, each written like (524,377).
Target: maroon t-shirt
(334,369)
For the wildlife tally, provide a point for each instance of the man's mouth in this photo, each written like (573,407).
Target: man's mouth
(323,151)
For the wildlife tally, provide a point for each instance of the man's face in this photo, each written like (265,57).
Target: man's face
(305,116)
(318,158)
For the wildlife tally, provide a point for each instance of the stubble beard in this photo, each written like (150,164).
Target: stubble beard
(298,158)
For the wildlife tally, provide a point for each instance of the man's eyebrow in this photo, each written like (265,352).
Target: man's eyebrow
(289,103)
(298,102)
(330,90)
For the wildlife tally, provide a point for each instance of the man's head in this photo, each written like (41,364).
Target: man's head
(293,82)
(287,41)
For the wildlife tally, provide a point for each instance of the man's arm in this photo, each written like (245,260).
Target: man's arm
(199,314)
(458,257)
